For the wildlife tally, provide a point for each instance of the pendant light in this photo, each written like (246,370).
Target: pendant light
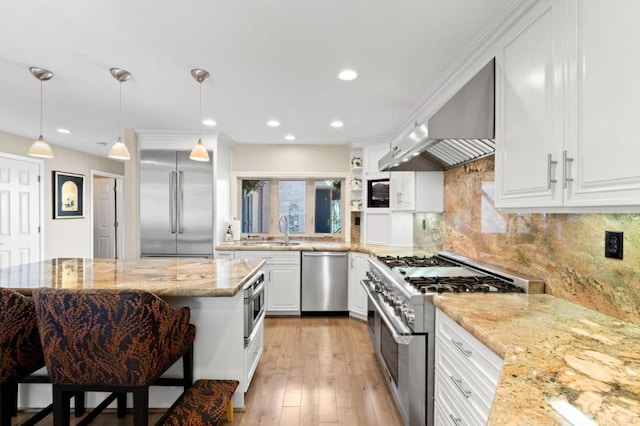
(40,148)
(199,152)
(119,150)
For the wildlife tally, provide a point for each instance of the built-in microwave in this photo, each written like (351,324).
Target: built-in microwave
(378,193)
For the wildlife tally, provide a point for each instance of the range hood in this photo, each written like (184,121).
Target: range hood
(462,130)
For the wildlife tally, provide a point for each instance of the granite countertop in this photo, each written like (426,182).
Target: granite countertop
(558,357)
(163,277)
(319,245)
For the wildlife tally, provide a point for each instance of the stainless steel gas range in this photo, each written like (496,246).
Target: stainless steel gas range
(401,317)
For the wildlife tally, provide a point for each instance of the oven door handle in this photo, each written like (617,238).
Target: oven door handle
(255,292)
(254,287)
(392,327)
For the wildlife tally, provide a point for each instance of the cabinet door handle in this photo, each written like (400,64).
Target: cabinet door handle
(565,170)
(550,164)
(458,383)
(461,348)
(456,421)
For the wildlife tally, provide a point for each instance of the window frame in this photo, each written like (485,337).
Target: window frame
(274,214)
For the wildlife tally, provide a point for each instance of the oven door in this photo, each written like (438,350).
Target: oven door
(371,309)
(403,358)
(254,307)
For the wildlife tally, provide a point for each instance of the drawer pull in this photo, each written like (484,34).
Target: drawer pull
(461,348)
(458,384)
(456,421)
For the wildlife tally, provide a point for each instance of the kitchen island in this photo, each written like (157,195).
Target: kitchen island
(563,363)
(212,289)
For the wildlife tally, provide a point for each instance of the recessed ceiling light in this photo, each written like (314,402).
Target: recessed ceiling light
(290,137)
(273,123)
(337,123)
(65,131)
(209,122)
(348,75)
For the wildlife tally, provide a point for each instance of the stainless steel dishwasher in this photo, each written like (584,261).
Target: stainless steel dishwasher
(325,281)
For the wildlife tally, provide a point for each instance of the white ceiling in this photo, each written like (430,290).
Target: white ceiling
(269,59)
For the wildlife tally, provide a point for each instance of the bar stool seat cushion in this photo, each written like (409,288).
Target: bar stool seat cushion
(20,348)
(109,337)
(205,403)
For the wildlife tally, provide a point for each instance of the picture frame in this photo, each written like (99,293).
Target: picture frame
(68,195)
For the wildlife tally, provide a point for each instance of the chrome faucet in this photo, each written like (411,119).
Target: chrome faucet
(286,228)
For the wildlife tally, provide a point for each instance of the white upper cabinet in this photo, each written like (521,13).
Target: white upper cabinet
(417,191)
(402,191)
(603,103)
(429,192)
(567,93)
(528,108)
(373,154)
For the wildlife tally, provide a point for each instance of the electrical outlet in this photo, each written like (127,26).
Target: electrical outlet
(613,244)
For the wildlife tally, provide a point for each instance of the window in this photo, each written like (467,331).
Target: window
(328,207)
(311,206)
(255,206)
(291,203)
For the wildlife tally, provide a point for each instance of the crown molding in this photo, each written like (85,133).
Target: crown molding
(372,140)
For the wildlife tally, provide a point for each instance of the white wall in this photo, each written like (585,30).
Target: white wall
(131,199)
(222,175)
(64,237)
(290,159)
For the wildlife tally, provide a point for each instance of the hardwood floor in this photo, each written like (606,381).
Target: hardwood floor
(314,371)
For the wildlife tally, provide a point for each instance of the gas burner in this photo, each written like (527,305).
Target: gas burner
(473,284)
(414,261)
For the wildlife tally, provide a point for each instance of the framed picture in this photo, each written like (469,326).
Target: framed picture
(68,195)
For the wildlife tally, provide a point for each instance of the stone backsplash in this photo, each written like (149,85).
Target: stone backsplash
(566,250)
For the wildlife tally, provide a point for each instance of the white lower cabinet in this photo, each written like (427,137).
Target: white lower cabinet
(282,277)
(467,374)
(358,267)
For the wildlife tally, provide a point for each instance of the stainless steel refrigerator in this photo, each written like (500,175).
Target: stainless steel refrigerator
(176,204)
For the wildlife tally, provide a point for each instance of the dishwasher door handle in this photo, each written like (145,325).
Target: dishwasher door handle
(324,254)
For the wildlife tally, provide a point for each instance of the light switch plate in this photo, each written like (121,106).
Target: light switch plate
(613,244)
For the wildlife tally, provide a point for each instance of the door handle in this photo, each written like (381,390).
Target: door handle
(172,202)
(322,254)
(550,163)
(565,175)
(179,206)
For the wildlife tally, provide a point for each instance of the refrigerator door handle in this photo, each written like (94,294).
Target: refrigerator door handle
(179,206)
(172,202)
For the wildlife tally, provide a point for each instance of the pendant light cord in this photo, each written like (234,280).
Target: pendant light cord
(120,111)
(200,123)
(40,107)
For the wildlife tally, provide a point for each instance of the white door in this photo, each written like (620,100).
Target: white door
(19,212)
(104,218)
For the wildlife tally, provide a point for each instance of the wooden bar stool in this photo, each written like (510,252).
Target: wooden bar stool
(115,341)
